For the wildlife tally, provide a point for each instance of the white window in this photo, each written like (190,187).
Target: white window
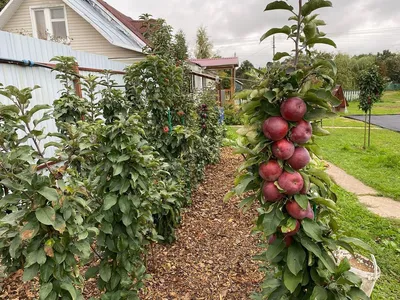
(50,23)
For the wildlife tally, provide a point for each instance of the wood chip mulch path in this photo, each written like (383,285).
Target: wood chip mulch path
(212,256)
(211,259)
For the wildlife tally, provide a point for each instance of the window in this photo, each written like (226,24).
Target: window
(50,24)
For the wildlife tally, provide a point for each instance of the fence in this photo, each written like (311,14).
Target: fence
(393,87)
(16,48)
(352,95)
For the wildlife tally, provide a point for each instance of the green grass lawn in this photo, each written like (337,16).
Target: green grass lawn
(378,167)
(383,235)
(390,104)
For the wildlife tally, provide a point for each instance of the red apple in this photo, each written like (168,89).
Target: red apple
(270,171)
(271,192)
(272,239)
(283,149)
(305,189)
(294,231)
(291,183)
(288,240)
(302,133)
(275,128)
(300,158)
(295,211)
(293,109)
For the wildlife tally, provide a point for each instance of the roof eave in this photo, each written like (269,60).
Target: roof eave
(8,11)
(141,43)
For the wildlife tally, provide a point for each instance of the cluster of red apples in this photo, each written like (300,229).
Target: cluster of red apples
(287,149)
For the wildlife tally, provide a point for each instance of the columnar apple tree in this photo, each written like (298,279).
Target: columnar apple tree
(282,172)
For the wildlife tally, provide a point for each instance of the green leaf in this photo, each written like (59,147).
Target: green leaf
(275,249)
(270,285)
(245,181)
(280,55)
(358,243)
(30,272)
(313,5)
(37,108)
(49,193)
(109,201)
(124,204)
(69,288)
(311,97)
(301,200)
(14,246)
(41,257)
(295,258)
(272,220)
(328,262)
(229,196)
(327,202)
(92,272)
(291,281)
(344,266)
(353,278)
(357,294)
(285,30)
(105,272)
(330,64)
(46,215)
(278,5)
(319,293)
(312,229)
(246,203)
(318,40)
(315,114)
(45,290)
(7,109)
(310,30)
(318,131)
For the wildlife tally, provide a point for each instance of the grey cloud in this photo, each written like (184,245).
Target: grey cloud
(236,25)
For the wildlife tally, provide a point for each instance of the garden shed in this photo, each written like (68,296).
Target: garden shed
(339,93)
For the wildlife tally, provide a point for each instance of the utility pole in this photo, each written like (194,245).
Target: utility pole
(273,45)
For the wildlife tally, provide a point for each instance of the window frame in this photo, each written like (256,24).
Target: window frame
(48,20)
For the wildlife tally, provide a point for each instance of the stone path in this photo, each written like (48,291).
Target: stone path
(382,206)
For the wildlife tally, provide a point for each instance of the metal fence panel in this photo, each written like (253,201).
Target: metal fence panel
(17,47)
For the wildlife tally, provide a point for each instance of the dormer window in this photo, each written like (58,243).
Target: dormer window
(50,23)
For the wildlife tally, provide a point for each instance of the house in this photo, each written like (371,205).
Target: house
(339,93)
(86,25)
(213,65)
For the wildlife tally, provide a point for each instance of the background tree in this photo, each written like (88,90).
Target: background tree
(180,46)
(242,73)
(204,47)
(371,85)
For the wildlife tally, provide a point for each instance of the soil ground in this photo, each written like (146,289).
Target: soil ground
(211,259)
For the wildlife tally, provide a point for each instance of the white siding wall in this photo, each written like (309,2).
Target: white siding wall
(84,36)
(19,47)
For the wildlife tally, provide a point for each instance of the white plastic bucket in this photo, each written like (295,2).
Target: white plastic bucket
(368,278)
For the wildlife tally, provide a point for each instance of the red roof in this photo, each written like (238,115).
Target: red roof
(136,26)
(217,62)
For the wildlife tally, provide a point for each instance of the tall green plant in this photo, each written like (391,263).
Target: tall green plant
(42,227)
(371,85)
(296,213)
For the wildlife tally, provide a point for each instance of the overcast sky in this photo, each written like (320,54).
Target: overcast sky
(235,26)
